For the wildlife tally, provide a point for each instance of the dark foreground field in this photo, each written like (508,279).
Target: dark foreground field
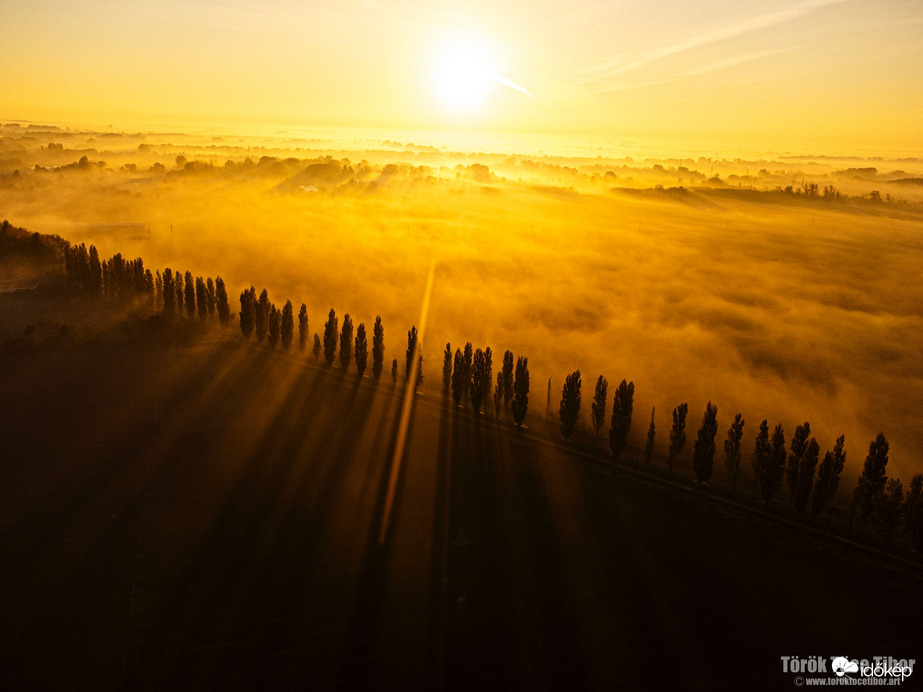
(208,515)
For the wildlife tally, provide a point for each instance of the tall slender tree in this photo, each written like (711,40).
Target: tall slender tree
(507,377)
(732,449)
(798,447)
(247,311)
(622,407)
(677,434)
(458,375)
(476,386)
(467,358)
(703,455)
(362,350)
(873,478)
(346,342)
(211,297)
(189,291)
(275,325)
(520,403)
(378,349)
(330,337)
(828,477)
(806,468)
(303,331)
(887,506)
(773,468)
(394,371)
(262,315)
(598,407)
(221,302)
(760,455)
(649,443)
(317,346)
(447,368)
(414,349)
(569,410)
(287,326)
(498,395)
(201,298)
(169,292)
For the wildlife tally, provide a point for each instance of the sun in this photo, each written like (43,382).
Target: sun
(462,76)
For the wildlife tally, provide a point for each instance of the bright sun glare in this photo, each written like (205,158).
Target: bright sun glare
(462,76)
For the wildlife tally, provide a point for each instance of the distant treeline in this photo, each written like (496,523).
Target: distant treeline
(467,377)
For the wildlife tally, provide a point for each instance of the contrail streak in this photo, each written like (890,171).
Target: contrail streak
(507,82)
(406,408)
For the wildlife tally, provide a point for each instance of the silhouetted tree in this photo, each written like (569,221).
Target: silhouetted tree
(760,451)
(732,449)
(394,371)
(478,375)
(275,325)
(521,390)
(211,296)
(649,443)
(828,477)
(346,342)
(317,347)
(569,411)
(873,479)
(158,292)
(169,292)
(507,377)
(303,332)
(488,373)
(458,374)
(703,453)
(247,311)
(190,294)
(95,271)
(773,468)
(796,454)
(498,395)
(677,434)
(622,407)
(598,407)
(221,302)
(180,292)
(447,367)
(913,512)
(467,357)
(262,315)
(887,506)
(806,468)
(330,337)
(201,298)
(362,350)
(414,347)
(287,328)
(378,349)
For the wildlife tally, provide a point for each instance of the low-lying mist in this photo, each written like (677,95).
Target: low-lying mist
(697,279)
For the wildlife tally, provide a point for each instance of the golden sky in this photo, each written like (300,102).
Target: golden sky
(836,76)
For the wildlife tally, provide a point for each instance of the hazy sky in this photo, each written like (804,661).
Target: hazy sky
(837,75)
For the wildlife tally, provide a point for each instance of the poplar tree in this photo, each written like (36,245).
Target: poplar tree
(598,407)
(317,346)
(330,337)
(414,348)
(221,302)
(190,295)
(447,367)
(828,477)
(773,468)
(201,298)
(394,371)
(211,296)
(478,374)
(498,395)
(806,468)
(622,407)
(569,410)
(649,443)
(378,349)
(303,332)
(887,506)
(873,478)
(760,455)
(795,455)
(275,322)
(247,311)
(507,377)
(262,315)
(362,350)
(703,455)
(521,390)
(169,292)
(732,449)
(346,342)
(458,375)
(468,355)
(287,328)
(677,434)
